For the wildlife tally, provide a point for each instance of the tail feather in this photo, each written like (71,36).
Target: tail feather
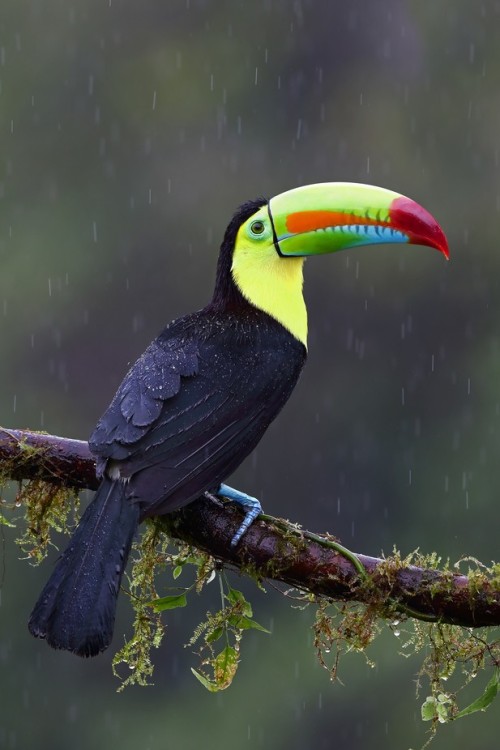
(76,609)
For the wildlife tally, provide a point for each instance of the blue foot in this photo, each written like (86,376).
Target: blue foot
(250,505)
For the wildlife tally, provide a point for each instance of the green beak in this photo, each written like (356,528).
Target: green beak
(332,216)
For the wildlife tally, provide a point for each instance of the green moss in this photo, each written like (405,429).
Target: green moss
(217,637)
(340,628)
(150,555)
(48,508)
(452,656)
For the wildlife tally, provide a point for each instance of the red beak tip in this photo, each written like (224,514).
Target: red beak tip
(420,226)
(442,243)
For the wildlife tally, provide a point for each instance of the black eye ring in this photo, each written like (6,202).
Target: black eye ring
(257,227)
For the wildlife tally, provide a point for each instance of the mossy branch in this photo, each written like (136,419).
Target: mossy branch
(278,550)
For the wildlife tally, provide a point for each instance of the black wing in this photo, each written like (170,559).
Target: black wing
(193,407)
(153,379)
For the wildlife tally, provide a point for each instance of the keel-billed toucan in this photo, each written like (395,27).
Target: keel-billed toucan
(199,399)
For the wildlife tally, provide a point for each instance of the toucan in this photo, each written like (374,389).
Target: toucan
(201,396)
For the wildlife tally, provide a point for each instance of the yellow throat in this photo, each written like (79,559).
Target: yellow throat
(271,283)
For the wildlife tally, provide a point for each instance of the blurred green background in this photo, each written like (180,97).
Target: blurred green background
(129,134)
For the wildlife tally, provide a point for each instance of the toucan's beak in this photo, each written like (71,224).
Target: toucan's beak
(332,216)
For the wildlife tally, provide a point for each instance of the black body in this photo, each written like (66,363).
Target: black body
(191,408)
(195,404)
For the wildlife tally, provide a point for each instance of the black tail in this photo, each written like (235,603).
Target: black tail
(76,609)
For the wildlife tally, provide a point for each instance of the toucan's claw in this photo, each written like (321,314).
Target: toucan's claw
(250,505)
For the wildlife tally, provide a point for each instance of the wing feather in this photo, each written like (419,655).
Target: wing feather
(152,380)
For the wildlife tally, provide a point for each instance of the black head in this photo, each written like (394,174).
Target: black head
(226,294)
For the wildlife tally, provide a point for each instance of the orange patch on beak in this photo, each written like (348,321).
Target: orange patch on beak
(308,221)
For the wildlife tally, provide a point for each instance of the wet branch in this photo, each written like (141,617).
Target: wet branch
(272,548)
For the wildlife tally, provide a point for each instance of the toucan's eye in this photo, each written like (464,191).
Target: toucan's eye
(257,227)
(258,230)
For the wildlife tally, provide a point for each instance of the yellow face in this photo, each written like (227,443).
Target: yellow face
(268,281)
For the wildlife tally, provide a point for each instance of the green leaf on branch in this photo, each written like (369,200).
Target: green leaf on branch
(237,599)
(224,667)
(245,623)
(484,700)
(169,602)
(436,708)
